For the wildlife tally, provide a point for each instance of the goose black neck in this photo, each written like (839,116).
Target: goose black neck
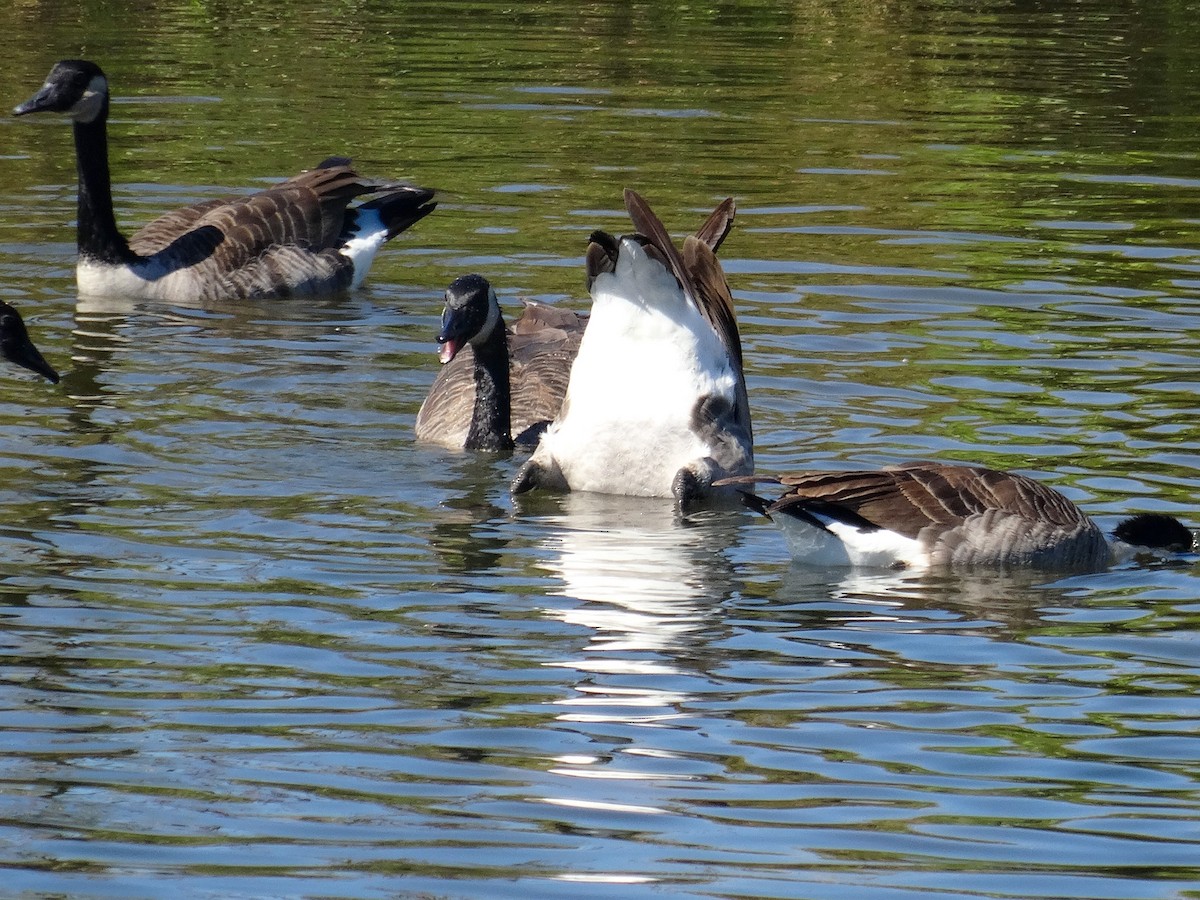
(491,423)
(96,226)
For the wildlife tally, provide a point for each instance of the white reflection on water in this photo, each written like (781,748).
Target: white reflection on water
(646,583)
(646,579)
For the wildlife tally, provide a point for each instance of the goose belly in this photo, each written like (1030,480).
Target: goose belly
(622,455)
(150,282)
(278,272)
(627,425)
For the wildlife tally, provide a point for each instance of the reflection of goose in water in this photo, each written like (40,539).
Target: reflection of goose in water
(643,580)
(989,603)
(462,530)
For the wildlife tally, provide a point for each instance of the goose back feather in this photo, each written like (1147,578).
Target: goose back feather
(300,237)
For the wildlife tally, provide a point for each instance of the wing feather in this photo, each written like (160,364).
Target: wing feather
(716,228)
(908,498)
(307,212)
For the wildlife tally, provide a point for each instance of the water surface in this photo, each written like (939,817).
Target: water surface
(257,643)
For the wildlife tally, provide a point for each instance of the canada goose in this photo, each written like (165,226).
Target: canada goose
(656,405)
(497,386)
(16,346)
(300,237)
(923,514)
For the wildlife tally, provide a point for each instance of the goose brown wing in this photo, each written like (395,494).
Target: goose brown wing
(711,292)
(650,227)
(307,211)
(167,228)
(911,497)
(445,415)
(716,228)
(548,320)
(977,489)
(543,343)
(876,496)
(697,269)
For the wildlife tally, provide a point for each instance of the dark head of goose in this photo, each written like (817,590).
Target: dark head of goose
(1155,531)
(17,347)
(75,87)
(470,315)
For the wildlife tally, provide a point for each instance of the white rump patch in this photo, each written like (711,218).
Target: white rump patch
(368,235)
(846,545)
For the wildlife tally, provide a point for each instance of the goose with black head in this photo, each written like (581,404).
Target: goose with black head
(302,237)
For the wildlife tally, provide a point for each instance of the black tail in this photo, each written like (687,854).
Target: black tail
(755,503)
(402,209)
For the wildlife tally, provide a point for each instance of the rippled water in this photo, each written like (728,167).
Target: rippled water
(258,643)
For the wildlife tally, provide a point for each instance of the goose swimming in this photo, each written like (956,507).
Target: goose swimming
(299,237)
(498,387)
(656,404)
(923,515)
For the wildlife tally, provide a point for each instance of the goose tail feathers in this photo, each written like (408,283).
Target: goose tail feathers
(401,209)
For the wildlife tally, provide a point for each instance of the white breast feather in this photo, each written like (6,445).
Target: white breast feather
(143,281)
(647,355)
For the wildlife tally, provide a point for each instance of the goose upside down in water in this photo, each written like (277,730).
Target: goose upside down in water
(656,405)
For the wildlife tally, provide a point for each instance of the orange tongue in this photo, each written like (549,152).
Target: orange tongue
(448,351)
